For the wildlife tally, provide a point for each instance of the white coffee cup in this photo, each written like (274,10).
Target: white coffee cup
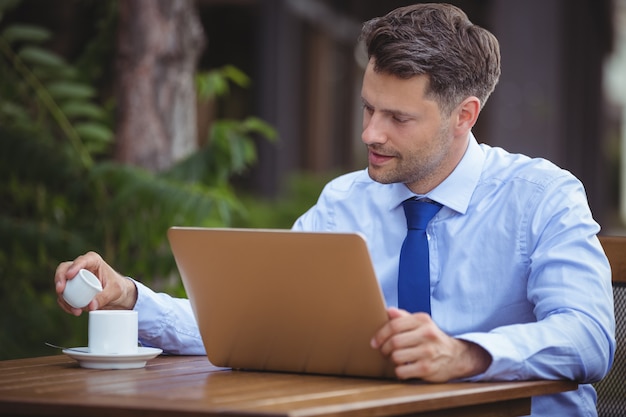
(113,332)
(80,290)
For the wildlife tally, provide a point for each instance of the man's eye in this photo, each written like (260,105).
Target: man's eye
(400,119)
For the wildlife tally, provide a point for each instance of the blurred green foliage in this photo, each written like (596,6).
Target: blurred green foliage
(61,194)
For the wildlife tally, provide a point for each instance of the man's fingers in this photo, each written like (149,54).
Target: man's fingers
(67,308)
(68,270)
(90,261)
(395,313)
(60,276)
(400,321)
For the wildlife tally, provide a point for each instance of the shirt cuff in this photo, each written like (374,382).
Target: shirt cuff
(506,361)
(167,323)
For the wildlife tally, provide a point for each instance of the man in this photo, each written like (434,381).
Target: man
(519,285)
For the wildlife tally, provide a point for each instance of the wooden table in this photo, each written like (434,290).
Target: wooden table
(191,386)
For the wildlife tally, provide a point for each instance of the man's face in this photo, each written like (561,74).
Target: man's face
(408,139)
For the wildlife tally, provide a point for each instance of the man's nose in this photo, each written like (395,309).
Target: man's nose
(373,131)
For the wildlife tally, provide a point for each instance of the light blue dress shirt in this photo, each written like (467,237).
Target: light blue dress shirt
(515,267)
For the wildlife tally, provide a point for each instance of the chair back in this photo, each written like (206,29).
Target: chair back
(612,389)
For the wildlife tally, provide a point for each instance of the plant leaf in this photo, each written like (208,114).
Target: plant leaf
(254,124)
(235,75)
(70,89)
(35,55)
(94,132)
(77,108)
(211,84)
(25,33)
(13,111)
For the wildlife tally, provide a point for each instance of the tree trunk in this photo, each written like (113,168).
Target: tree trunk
(158,45)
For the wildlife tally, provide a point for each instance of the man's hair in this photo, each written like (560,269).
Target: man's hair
(461,59)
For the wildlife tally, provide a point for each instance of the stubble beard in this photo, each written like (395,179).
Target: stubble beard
(415,167)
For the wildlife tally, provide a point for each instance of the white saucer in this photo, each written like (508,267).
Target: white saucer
(99,361)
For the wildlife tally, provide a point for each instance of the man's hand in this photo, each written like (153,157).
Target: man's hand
(421,350)
(117,293)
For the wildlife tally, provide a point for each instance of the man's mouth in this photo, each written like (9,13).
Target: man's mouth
(376,158)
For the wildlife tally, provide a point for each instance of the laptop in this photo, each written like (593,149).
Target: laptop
(280,300)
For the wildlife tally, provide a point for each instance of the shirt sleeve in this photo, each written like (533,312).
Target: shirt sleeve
(167,323)
(569,284)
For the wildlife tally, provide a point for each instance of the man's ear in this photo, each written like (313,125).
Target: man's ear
(466,115)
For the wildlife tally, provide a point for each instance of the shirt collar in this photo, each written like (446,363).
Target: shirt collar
(456,190)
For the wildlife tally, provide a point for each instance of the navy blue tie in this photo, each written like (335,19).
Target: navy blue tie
(414,272)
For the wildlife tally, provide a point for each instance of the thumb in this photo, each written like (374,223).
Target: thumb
(104,300)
